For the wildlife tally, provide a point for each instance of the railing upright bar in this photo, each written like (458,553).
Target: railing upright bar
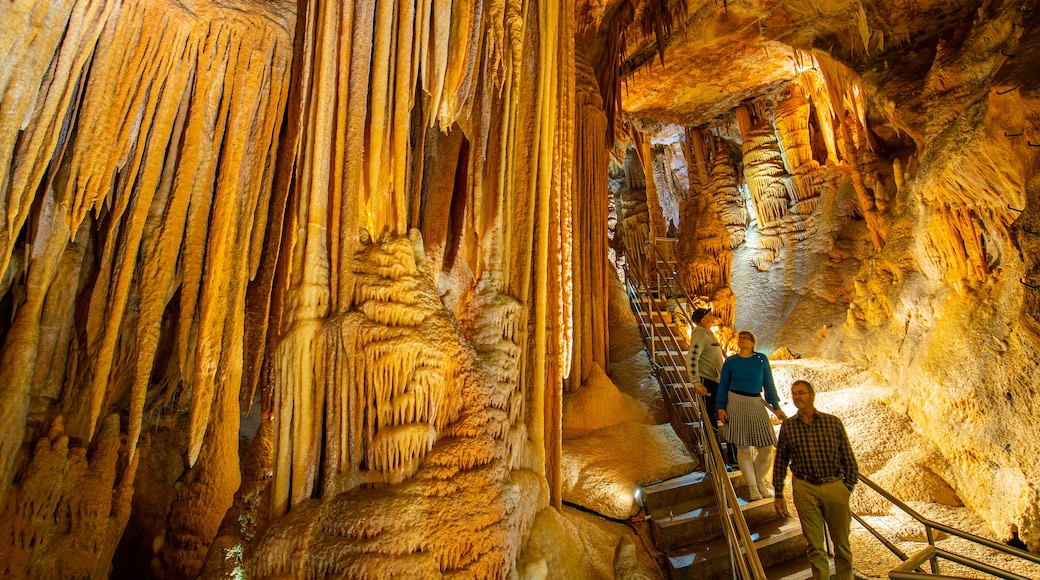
(914,562)
(933,562)
(877,535)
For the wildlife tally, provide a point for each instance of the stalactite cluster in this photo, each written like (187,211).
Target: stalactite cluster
(766,178)
(707,259)
(785,181)
(256,152)
(441,421)
(422,433)
(791,119)
(971,209)
(763,166)
(134,256)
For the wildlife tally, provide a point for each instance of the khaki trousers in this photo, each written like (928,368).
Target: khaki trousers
(825,503)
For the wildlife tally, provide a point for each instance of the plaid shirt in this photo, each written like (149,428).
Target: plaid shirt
(819,450)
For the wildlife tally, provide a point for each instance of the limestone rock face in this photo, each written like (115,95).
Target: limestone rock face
(379,230)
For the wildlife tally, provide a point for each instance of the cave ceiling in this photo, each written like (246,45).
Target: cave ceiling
(719,54)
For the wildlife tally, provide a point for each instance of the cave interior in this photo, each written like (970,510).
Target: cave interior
(309,289)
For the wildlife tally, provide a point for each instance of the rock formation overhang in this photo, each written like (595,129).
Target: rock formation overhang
(689,66)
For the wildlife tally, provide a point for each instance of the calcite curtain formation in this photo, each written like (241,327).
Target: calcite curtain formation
(135,199)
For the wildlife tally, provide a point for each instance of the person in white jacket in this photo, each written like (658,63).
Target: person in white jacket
(704,366)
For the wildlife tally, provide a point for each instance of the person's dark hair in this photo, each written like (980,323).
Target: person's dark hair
(699,315)
(804,384)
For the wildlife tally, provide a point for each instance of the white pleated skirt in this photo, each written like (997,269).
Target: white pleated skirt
(749,421)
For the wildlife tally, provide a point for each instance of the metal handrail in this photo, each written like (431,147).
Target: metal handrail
(743,555)
(910,567)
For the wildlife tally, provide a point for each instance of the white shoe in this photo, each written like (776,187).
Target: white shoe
(764,490)
(754,494)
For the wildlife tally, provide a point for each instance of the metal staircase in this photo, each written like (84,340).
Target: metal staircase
(698,522)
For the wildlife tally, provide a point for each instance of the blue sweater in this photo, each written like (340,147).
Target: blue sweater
(749,376)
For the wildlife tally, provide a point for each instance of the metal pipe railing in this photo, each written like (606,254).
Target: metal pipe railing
(931,554)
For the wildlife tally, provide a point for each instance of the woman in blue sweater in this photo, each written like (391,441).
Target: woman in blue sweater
(745,376)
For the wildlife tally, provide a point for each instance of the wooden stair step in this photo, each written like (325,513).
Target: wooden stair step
(663,496)
(775,541)
(703,524)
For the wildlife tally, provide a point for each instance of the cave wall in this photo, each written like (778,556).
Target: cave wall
(378,230)
(890,202)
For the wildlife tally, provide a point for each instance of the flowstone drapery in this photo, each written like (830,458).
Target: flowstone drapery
(137,141)
(433,427)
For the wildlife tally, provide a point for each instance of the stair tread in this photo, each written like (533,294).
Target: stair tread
(709,511)
(763,535)
(775,531)
(691,478)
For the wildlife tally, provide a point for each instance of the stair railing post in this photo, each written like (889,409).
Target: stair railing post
(934,560)
(653,329)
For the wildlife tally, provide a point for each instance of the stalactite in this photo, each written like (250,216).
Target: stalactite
(792,128)
(608,70)
(818,92)
(63,36)
(728,198)
(160,167)
(844,94)
(763,167)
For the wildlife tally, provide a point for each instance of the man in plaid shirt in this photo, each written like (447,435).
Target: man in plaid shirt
(817,448)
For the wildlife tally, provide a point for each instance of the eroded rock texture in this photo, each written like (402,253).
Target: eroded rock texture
(379,231)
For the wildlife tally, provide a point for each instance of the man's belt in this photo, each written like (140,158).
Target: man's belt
(815,480)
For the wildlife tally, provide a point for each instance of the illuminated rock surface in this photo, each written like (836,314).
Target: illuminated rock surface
(327,288)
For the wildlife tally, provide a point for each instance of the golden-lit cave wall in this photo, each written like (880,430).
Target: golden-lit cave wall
(902,240)
(360,218)
(138,144)
(944,312)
